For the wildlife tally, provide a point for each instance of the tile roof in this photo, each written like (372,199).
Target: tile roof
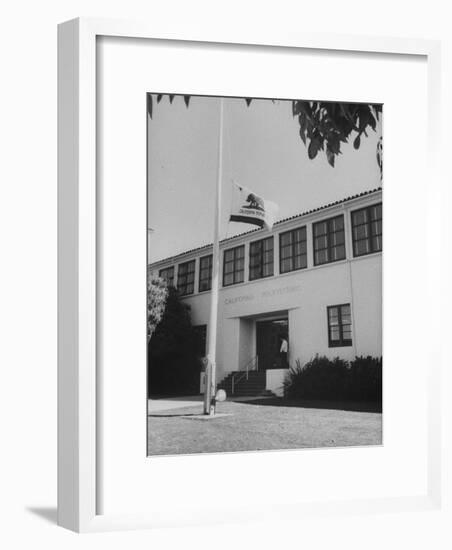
(295,216)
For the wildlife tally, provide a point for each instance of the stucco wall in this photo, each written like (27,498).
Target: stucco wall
(304,295)
(274,381)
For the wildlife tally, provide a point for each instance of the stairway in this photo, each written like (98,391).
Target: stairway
(253,386)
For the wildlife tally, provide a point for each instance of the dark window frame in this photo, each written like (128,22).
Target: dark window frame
(164,269)
(293,255)
(236,273)
(188,285)
(202,269)
(260,254)
(371,235)
(330,246)
(342,342)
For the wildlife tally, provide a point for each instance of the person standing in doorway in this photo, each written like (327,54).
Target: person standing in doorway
(283,351)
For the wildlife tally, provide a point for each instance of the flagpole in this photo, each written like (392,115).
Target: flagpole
(209,394)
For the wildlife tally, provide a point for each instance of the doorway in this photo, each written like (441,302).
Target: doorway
(269,339)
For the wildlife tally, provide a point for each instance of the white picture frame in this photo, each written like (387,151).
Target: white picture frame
(79,448)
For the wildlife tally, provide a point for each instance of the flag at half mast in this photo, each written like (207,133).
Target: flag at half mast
(248,207)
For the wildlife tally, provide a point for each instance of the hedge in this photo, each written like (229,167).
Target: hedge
(337,379)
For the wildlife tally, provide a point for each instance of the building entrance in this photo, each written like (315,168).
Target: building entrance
(270,337)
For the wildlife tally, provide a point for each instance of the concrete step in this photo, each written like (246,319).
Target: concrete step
(252,386)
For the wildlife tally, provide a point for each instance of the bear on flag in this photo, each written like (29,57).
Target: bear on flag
(248,207)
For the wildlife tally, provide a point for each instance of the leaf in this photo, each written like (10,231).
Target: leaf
(313,148)
(303,121)
(330,156)
(187,99)
(149,105)
(303,136)
(357,141)
(248,101)
(334,144)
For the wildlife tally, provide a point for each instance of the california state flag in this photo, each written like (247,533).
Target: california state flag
(247,207)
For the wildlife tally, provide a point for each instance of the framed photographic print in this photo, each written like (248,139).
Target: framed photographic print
(226,294)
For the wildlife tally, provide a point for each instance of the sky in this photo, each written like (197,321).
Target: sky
(262,150)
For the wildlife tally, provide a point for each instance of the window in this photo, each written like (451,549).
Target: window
(234,266)
(367,230)
(292,250)
(329,240)
(339,326)
(186,278)
(261,259)
(205,273)
(168,275)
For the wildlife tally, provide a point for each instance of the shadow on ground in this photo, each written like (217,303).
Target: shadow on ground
(307,404)
(172,415)
(45,512)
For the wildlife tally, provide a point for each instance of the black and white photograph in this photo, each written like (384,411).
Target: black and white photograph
(264,274)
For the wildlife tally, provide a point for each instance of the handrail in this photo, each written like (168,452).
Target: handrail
(253,364)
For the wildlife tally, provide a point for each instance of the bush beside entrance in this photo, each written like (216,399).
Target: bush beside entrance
(336,379)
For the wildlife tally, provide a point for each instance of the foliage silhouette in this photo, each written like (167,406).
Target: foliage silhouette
(324,125)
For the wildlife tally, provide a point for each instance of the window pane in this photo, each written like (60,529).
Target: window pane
(321,257)
(255,249)
(333,314)
(335,333)
(363,247)
(285,265)
(347,337)
(299,262)
(337,223)
(300,248)
(339,252)
(345,314)
(268,257)
(286,239)
(375,212)
(320,228)
(229,267)
(376,244)
(285,252)
(360,232)
(376,228)
(300,234)
(359,217)
(337,238)
(228,255)
(320,242)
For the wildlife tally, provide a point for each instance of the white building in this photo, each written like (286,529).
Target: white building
(315,279)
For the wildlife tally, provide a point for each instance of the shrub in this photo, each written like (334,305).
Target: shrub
(325,379)
(157,295)
(365,380)
(173,359)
